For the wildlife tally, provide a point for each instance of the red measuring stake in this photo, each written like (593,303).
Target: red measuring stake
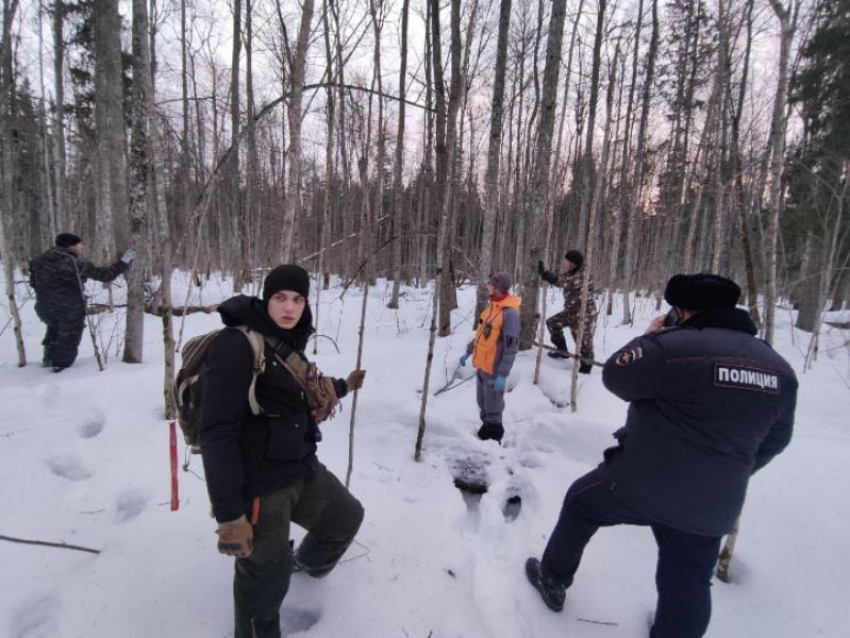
(172,436)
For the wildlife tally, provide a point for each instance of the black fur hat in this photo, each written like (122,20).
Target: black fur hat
(66,240)
(701,291)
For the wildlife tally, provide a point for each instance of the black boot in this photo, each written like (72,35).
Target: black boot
(585,368)
(491,432)
(560,342)
(552,593)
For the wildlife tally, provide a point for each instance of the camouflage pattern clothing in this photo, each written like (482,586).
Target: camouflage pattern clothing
(58,278)
(570,316)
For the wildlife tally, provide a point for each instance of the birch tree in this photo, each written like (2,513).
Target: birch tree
(788,25)
(292,198)
(7,202)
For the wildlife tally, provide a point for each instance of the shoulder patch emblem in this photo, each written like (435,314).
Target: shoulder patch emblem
(628,357)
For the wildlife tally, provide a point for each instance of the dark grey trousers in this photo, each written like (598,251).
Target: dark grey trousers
(330,514)
(685,561)
(491,404)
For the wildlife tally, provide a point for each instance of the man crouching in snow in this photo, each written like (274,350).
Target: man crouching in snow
(709,405)
(493,351)
(265,465)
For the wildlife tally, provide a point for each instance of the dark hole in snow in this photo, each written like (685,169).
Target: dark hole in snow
(512,506)
(471,485)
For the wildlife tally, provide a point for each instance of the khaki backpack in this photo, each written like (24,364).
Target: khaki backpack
(188,387)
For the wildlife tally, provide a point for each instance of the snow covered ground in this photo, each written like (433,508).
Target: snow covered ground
(84,460)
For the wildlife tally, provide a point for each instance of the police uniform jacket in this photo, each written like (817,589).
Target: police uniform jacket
(709,404)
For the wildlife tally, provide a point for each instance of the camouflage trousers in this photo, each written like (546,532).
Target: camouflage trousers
(331,515)
(62,340)
(556,324)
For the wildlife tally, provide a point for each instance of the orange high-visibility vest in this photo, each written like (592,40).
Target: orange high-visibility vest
(485,348)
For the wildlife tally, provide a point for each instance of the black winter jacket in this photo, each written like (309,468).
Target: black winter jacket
(247,455)
(709,405)
(58,277)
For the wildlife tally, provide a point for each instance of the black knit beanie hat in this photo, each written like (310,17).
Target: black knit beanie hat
(576,257)
(286,277)
(702,291)
(501,281)
(66,240)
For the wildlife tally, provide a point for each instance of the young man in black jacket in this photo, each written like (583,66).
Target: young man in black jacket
(709,404)
(264,466)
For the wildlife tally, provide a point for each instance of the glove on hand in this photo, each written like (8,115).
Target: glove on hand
(464,359)
(235,538)
(500,383)
(355,380)
(128,255)
(540,268)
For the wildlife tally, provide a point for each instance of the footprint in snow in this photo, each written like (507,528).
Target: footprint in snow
(68,466)
(297,620)
(92,426)
(36,619)
(130,504)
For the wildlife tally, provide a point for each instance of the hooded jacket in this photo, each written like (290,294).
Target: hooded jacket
(709,404)
(247,455)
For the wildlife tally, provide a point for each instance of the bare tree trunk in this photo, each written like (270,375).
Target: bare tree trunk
(541,174)
(366,226)
(596,204)
(47,214)
(140,163)
(626,193)
(398,185)
(738,173)
(7,88)
(329,171)
(292,199)
(587,164)
(59,165)
(491,179)
(234,198)
(442,234)
(111,183)
(777,144)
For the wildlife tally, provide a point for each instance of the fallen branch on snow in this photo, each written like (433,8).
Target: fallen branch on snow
(25,541)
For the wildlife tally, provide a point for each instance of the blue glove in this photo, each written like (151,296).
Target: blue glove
(464,359)
(500,383)
(128,255)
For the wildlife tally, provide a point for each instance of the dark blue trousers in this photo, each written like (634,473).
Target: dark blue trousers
(685,561)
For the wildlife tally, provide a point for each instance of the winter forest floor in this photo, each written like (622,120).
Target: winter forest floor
(84,460)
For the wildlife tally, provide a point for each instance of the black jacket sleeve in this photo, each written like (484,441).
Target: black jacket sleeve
(780,434)
(635,371)
(105,274)
(227,375)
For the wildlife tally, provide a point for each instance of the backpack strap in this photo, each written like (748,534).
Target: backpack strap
(258,346)
(291,360)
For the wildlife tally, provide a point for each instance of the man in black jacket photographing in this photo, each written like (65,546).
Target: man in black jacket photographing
(709,404)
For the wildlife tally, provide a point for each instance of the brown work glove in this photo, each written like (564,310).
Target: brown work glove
(235,538)
(355,380)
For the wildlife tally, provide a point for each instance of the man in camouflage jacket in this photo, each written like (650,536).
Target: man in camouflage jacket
(58,278)
(572,281)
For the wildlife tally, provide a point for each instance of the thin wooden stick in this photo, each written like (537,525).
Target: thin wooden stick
(726,554)
(25,541)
